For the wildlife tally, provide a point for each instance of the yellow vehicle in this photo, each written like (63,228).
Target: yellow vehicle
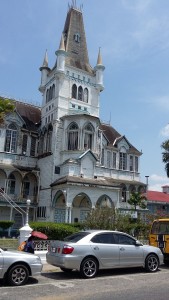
(159,237)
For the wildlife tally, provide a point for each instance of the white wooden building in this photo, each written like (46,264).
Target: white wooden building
(60,155)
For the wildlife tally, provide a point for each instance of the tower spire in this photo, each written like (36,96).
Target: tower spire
(99,59)
(62,44)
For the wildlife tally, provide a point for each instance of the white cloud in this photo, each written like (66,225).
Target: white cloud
(155,182)
(139,5)
(165,131)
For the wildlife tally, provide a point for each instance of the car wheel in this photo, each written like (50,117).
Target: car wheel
(89,267)
(152,263)
(66,270)
(18,275)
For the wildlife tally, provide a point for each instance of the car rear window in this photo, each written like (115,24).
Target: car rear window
(76,236)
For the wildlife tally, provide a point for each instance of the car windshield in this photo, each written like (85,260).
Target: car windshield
(76,236)
(160,227)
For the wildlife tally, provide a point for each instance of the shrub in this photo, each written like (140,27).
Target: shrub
(54,231)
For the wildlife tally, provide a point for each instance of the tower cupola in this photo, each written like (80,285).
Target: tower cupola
(44,73)
(61,55)
(99,68)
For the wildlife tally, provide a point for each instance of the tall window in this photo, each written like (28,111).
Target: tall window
(85,95)
(131,162)
(102,158)
(80,93)
(26,186)
(74,91)
(24,143)
(123,161)
(49,139)
(11,139)
(33,146)
(114,160)
(136,164)
(73,137)
(88,137)
(11,184)
(108,159)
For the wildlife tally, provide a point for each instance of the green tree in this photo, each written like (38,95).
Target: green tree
(100,218)
(6,106)
(138,199)
(165,155)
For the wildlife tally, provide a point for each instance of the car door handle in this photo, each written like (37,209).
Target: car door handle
(122,249)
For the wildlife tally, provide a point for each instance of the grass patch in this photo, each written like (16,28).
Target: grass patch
(9,243)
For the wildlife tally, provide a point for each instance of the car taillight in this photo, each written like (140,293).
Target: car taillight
(67,249)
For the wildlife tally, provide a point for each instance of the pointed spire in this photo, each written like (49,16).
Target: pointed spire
(45,62)
(62,43)
(99,59)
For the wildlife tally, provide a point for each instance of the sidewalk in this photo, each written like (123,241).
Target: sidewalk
(46,266)
(49,268)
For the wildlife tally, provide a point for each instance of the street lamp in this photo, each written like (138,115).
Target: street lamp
(28,202)
(147,176)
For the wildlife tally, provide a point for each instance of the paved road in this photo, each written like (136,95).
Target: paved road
(129,284)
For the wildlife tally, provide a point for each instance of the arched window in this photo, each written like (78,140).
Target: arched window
(88,136)
(26,186)
(49,138)
(50,93)
(73,137)
(85,95)
(47,96)
(80,93)
(53,91)
(74,91)
(11,139)
(11,184)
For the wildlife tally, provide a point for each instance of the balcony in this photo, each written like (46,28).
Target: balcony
(18,160)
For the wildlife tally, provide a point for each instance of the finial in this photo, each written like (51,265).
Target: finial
(45,62)
(62,44)
(99,59)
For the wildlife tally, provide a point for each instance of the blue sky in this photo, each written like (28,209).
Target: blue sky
(134,40)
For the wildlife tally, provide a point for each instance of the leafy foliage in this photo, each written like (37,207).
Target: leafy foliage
(54,231)
(6,106)
(138,199)
(165,155)
(6,224)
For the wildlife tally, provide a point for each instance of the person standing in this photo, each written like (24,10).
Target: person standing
(29,246)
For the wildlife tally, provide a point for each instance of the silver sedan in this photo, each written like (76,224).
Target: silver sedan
(90,251)
(17,266)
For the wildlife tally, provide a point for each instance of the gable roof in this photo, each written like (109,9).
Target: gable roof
(157,196)
(86,153)
(30,114)
(115,137)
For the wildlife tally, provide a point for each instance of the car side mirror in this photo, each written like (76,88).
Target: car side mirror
(138,243)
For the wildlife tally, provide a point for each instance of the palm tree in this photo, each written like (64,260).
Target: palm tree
(165,155)
(6,106)
(138,199)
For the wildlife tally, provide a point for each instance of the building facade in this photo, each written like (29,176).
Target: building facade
(60,155)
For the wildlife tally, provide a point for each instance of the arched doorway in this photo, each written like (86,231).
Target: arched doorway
(81,206)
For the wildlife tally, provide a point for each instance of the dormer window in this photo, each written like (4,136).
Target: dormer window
(77,37)
(11,139)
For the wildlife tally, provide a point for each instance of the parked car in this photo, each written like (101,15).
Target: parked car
(90,251)
(17,266)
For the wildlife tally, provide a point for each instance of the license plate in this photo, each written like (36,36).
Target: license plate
(53,250)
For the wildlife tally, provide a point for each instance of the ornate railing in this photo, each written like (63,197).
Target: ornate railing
(41,245)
